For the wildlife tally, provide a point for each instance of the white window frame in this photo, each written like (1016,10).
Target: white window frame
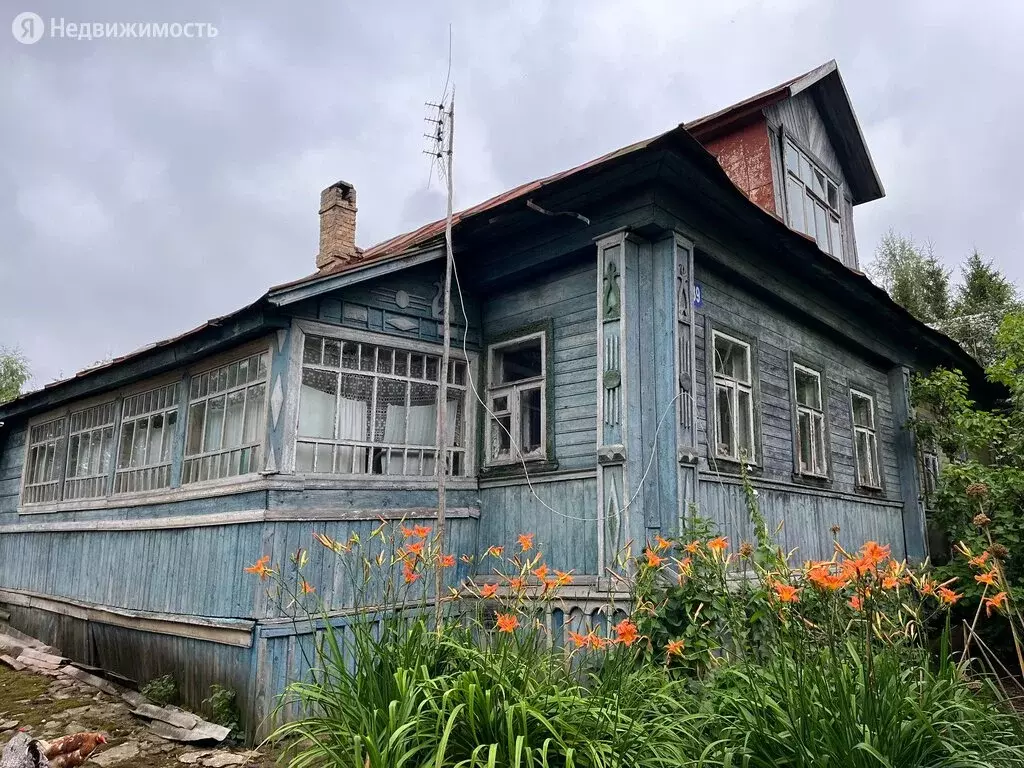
(222,454)
(810,197)
(94,485)
(395,344)
(735,387)
(151,475)
(871,438)
(513,393)
(817,425)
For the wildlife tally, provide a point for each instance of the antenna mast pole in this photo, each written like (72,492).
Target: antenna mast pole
(441,460)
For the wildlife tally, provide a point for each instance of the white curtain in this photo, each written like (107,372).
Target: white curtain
(351,426)
(415,425)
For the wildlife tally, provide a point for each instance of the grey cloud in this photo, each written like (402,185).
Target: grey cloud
(147,185)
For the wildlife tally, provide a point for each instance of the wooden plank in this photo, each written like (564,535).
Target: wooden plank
(14,664)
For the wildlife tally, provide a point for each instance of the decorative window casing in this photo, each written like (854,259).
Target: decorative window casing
(226,422)
(90,451)
(865,440)
(43,461)
(813,200)
(811,438)
(148,424)
(367,408)
(733,399)
(516,428)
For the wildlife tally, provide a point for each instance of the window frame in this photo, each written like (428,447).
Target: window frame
(180,394)
(304,328)
(752,388)
(513,391)
(177,490)
(836,249)
(872,431)
(114,404)
(814,368)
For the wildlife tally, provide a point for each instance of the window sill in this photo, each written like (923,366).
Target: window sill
(814,481)
(734,467)
(870,490)
(517,469)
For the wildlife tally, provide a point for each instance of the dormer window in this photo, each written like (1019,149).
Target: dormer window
(812,200)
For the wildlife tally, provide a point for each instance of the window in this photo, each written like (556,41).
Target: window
(369,409)
(90,450)
(812,200)
(734,399)
(930,476)
(811,451)
(226,417)
(517,424)
(865,440)
(148,421)
(42,465)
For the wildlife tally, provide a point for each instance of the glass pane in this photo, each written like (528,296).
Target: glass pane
(501,439)
(156,439)
(354,407)
(165,448)
(214,424)
(835,236)
(422,415)
(433,366)
(833,195)
(819,184)
(234,419)
(732,359)
(792,158)
(795,203)
(518,362)
(304,457)
(806,175)
(401,363)
(862,411)
(530,420)
(876,473)
(390,418)
(724,437)
(500,404)
(255,415)
(820,453)
(196,420)
(233,376)
(804,450)
(821,227)
(332,353)
(385,360)
(124,452)
(863,458)
(312,350)
(73,455)
(416,366)
(456,403)
(350,355)
(140,443)
(318,398)
(367,357)
(745,407)
(808,389)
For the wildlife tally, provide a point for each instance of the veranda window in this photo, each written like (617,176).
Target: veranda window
(865,440)
(90,451)
(42,465)
(226,420)
(733,399)
(148,421)
(517,425)
(811,453)
(371,409)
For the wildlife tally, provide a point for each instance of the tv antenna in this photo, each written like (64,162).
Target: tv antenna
(441,116)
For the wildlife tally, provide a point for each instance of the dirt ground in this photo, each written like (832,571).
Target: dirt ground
(49,708)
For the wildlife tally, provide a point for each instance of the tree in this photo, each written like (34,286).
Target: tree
(983,301)
(14,373)
(913,277)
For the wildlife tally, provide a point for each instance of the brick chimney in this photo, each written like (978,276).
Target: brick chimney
(337,225)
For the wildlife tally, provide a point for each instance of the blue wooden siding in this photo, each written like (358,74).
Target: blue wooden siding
(731,308)
(569,299)
(405,304)
(806,518)
(12,458)
(567,536)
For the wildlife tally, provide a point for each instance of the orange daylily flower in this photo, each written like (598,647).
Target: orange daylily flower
(507,622)
(874,553)
(661,543)
(996,601)
(421,531)
(927,587)
(541,571)
(516,583)
(415,549)
(948,596)
(261,568)
(626,632)
(674,648)
(718,545)
(306,587)
(577,639)
(856,602)
(446,561)
(495,551)
(988,579)
(562,578)
(407,532)
(821,576)
(409,573)
(890,582)
(525,542)
(653,559)
(488,590)
(693,547)
(786,593)
(979,561)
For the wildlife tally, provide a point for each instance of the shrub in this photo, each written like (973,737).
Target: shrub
(221,707)
(161,690)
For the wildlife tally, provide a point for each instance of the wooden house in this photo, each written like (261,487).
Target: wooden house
(628,335)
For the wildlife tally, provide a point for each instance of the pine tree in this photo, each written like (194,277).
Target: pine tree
(983,300)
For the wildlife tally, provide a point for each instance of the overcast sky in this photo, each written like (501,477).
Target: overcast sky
(147,185)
